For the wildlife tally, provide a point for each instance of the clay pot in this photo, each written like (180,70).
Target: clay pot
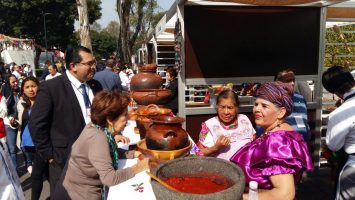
(143,124)
(192,165)
(166,133)
(151,96)
(144,113)
(149,67)
(152,110)
(146,79)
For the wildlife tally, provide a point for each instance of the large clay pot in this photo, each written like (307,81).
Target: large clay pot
(166,133)
(149,67)
(146,79)
(151,96)
(192,165)
(144,113)
(152,110)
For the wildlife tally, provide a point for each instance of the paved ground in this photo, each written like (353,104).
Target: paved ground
(26,181)
(314,186)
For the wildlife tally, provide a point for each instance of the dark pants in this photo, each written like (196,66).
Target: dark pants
(40,171)
(55,171)
(28,155)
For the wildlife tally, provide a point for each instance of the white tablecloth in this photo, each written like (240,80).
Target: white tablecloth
(129,189)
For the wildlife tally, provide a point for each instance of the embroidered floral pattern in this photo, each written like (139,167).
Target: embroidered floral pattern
(138,187)
(204,131)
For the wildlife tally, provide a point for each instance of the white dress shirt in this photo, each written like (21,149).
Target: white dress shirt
(75,83)
(341,126)
(50,76)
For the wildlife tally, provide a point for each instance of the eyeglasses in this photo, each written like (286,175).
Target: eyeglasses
(90,63)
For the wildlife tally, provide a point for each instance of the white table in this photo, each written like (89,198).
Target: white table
(129,189)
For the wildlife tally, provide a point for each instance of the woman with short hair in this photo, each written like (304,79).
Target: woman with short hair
(93,163)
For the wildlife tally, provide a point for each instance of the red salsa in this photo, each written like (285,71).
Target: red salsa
(199,183)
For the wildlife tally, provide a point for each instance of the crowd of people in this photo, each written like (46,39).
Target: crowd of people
(68,126)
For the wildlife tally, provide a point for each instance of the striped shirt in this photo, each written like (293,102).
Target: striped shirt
(298,119)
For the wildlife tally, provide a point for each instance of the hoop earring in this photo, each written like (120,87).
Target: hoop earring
(110,128)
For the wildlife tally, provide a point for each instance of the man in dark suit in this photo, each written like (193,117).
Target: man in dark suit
(108,79)
(62,109)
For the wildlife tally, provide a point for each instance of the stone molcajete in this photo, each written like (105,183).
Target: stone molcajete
(232,178)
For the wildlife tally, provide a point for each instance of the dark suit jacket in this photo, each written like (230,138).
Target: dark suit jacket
(56,119)
(173,102)
(109,80)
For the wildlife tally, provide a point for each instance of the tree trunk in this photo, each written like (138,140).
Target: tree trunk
(141,4)
(38,54)
(123,9)
(84,24)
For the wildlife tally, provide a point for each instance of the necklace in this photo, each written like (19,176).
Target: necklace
(277,125)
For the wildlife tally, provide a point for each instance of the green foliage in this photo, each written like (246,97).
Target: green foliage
(25,19)
(340,47)
(113,29)
(103,44)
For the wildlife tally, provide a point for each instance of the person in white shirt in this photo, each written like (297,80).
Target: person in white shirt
(341,126)
(15,71)
(126,75)
(53,72)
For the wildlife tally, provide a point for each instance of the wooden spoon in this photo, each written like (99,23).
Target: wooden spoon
(160,181)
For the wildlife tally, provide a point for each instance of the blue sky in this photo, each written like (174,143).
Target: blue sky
(109,13)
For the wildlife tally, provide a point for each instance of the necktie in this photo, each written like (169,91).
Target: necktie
(85,96)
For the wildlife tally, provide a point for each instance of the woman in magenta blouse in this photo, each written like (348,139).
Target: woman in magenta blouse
(278,157)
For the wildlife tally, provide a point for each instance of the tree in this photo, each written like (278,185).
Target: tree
(84,24)
(103,43)
(340,48)
(25,19)
(133,16)
(95,27)
(112,28)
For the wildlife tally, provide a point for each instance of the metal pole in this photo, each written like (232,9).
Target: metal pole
(45,33)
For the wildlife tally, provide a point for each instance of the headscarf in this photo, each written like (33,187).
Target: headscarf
(277,93)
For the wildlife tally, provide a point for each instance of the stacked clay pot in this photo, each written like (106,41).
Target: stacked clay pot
(160,131)
(146,87)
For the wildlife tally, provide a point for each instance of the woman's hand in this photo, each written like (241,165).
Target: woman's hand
(139,155)
(141,165)
(245,196)
(222,142)
(121,138)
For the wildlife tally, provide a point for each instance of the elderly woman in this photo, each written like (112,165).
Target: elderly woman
(225,134)
(93,163)
(278,157)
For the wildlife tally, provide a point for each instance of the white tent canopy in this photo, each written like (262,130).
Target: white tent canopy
(19,51)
